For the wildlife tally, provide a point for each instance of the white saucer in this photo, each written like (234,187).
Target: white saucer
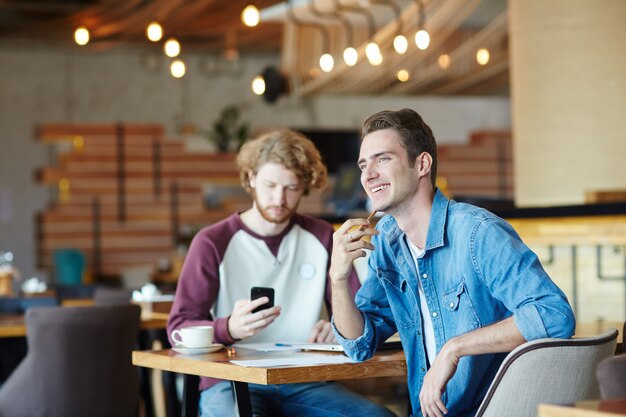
(197,351)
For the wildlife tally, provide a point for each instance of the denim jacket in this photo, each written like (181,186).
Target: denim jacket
(475,271)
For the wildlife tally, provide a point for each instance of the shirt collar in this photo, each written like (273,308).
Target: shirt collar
(436,228)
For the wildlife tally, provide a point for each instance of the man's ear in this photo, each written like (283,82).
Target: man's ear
(424,163)
(252,179)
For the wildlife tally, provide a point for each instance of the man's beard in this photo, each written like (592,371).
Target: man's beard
(267,215)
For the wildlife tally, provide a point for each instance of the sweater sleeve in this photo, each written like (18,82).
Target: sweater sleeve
(197,289)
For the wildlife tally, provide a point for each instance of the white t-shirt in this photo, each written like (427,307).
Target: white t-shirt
(427,323)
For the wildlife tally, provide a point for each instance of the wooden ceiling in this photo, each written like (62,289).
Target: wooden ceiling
(209,25)
(457,29)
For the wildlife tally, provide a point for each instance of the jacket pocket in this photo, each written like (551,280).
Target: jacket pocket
(401,299)
(462,313)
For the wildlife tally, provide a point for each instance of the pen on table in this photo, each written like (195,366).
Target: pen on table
(282,344)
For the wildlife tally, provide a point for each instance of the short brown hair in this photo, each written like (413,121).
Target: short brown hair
(415,135)
(289,149)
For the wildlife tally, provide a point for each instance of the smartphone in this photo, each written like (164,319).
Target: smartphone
(258,292)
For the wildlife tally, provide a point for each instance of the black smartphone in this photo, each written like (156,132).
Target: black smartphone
(258,292)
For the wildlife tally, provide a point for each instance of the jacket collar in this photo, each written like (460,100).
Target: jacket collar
(436,228)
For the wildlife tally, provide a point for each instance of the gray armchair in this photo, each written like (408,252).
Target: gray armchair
(78,364)
(549,371)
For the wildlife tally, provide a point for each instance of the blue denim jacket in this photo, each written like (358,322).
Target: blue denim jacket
(475,271)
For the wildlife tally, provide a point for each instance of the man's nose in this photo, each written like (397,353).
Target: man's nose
(280,195)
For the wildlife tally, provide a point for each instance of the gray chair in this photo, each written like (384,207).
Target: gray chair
(548,371)
(611,374)
(78,364)
(112,296)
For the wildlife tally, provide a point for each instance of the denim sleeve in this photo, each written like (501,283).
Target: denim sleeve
(513,274)
(371,300)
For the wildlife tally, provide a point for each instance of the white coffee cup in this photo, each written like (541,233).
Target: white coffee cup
(194,336)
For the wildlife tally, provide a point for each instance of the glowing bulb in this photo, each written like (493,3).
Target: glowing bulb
(403,75)
(327,62)
(64,184)
(177,68)
(258,85)
(400,44)
(154,31)
(78,142)
(172,48)
(372,51)
(81,36)
(422,39)
(444,61)
(250,16)
(482,56)
(376,60)
(350,56)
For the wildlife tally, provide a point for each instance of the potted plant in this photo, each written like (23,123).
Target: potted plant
(228,133)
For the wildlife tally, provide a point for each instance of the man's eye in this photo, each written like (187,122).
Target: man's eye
(362,167)
(383,159)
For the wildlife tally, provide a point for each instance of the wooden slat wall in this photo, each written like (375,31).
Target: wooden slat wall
(146,234)
(481,168)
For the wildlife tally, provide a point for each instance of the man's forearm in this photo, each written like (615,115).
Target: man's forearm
(346,315)
(503,336)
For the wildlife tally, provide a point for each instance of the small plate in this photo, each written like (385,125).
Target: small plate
(197,351)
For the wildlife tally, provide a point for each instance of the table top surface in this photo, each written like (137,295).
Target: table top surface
(14,325)
(218,365)
(605,408)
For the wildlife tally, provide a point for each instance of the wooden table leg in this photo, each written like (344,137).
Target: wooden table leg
(242,398)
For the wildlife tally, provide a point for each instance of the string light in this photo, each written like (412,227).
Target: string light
(372,51)
(482,56)
(258,85)
(171,48)
(81,36)
(177,68)
(422,39)
(350,56)
(250,16)
(403,75)
(154,31)
(327,63)
(444,61)
(400,44)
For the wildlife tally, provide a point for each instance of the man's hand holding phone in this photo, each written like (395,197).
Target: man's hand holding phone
(251,316)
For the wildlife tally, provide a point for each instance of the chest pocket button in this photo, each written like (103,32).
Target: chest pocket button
(451,297)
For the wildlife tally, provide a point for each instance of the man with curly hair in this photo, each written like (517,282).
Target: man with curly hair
(268,245)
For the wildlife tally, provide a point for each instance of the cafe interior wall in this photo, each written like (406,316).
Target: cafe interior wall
(51,84)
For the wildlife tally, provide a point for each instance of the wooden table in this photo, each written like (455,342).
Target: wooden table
(606,408)
(217,365)
(14,325)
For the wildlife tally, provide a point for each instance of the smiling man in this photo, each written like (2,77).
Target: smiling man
(454,280)
(268,245)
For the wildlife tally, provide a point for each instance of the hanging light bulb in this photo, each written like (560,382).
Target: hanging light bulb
(154,31)
(81,36)
(444,61)
(403,75)
(400,44)
(350,56)
(482,56)
(250,16)
(177,68)
(327,62)
(171,48)
(258,85)
(422,39)
(372,51)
